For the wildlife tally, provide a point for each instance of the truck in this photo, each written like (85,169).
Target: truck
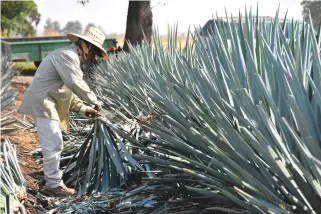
(35,49)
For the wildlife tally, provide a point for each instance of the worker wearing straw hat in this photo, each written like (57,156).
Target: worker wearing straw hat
(57,88)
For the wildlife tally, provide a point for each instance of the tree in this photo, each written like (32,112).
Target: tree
(48,24)
(52,25)
(314,7)
(19,18)
(72,27)
(56,26)
(139,23)
(90,25)
(83,2)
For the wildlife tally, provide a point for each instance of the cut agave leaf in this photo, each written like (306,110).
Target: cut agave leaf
(98,166)
(13,184)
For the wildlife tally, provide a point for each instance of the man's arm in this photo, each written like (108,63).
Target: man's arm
(68,67)
(79,107)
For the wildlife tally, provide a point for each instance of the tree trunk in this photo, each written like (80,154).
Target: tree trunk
(139,22)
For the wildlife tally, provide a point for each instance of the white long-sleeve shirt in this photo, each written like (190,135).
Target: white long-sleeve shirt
(57,86)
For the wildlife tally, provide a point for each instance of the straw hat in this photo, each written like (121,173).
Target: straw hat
(92,35)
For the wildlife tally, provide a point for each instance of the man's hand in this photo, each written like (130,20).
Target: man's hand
(97,107)
(90,112)
(147,119)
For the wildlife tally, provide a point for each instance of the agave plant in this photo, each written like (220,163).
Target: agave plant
(240,116)
(11,179)
(99,164)
(13,185)
(7,96)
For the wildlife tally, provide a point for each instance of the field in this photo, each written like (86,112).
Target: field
(231,128)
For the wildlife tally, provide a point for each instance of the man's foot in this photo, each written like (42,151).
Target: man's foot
(61,191)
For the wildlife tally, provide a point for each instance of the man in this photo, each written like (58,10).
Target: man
(58,87)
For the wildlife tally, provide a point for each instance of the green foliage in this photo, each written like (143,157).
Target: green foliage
(24,66)
(18,18)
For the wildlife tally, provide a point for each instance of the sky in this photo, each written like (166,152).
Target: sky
(111,14)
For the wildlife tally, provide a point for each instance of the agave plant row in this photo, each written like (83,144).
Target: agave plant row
(239,116)
(7,95)
(13,186)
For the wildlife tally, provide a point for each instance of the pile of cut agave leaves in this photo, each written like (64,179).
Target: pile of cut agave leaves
(236,130)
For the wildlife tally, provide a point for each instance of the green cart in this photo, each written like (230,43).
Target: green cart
(34,49)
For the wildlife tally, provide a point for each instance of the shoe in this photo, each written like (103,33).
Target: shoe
(60,191)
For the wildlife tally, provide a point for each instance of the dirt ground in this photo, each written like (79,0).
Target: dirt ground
(25,140)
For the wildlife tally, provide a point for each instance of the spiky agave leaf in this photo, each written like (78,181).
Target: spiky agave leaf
(99,164)
(13,185)
(7,96)
(242,119)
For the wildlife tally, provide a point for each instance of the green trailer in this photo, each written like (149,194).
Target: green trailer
(34,49)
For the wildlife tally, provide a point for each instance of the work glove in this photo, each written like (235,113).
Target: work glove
(88,111)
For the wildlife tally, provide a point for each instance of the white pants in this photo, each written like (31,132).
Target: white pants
(51,143)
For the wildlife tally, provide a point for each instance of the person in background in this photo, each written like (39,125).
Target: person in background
(57,88)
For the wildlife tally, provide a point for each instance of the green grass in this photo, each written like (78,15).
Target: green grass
(24,66)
